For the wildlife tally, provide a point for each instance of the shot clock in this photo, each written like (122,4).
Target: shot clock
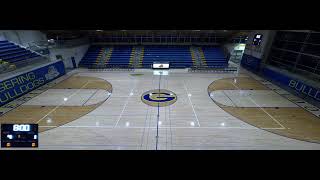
(19,135)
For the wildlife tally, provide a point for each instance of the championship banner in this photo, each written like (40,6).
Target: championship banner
(15,87)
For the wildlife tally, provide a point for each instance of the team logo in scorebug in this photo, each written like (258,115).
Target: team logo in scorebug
(159,97)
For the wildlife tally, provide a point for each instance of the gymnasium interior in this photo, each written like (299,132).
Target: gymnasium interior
(160,89)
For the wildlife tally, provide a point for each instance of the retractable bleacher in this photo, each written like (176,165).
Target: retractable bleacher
(214,57)
(15,54)
(120,56)
(177,56)
(91,57)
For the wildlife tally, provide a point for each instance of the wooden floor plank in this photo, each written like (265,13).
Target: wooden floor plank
(58,115)
(298,123)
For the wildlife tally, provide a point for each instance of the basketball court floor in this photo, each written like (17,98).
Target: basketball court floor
(96,109)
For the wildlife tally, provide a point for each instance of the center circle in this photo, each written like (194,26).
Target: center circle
(159,97)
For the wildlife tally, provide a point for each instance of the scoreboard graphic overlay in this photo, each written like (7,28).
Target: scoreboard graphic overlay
(19,135)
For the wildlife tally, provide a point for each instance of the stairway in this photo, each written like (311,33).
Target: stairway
(236,56)
(100,56)
(194,56)
(198,58)
(132,57)
(107,56)
(138,57)
(202,57)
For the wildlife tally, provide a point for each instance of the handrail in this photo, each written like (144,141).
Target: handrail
(71,43)
(58,43)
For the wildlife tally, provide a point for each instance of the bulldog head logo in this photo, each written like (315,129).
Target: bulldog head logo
(52,73)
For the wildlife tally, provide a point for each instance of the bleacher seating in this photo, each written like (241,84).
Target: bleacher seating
(15,54)
(91,56)
(6,67)
(214,56)
(120,56)
(177,56)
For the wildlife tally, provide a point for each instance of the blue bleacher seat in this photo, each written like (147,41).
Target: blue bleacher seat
(214,56)
(120,56)
(91,56)
(177,56)
(13,53)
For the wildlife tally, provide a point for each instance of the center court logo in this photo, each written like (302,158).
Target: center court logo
(158,97)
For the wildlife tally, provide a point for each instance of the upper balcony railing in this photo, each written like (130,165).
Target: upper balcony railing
(43,46)
(144,40)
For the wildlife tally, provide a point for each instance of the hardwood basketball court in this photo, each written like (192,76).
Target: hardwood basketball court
(88,109)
